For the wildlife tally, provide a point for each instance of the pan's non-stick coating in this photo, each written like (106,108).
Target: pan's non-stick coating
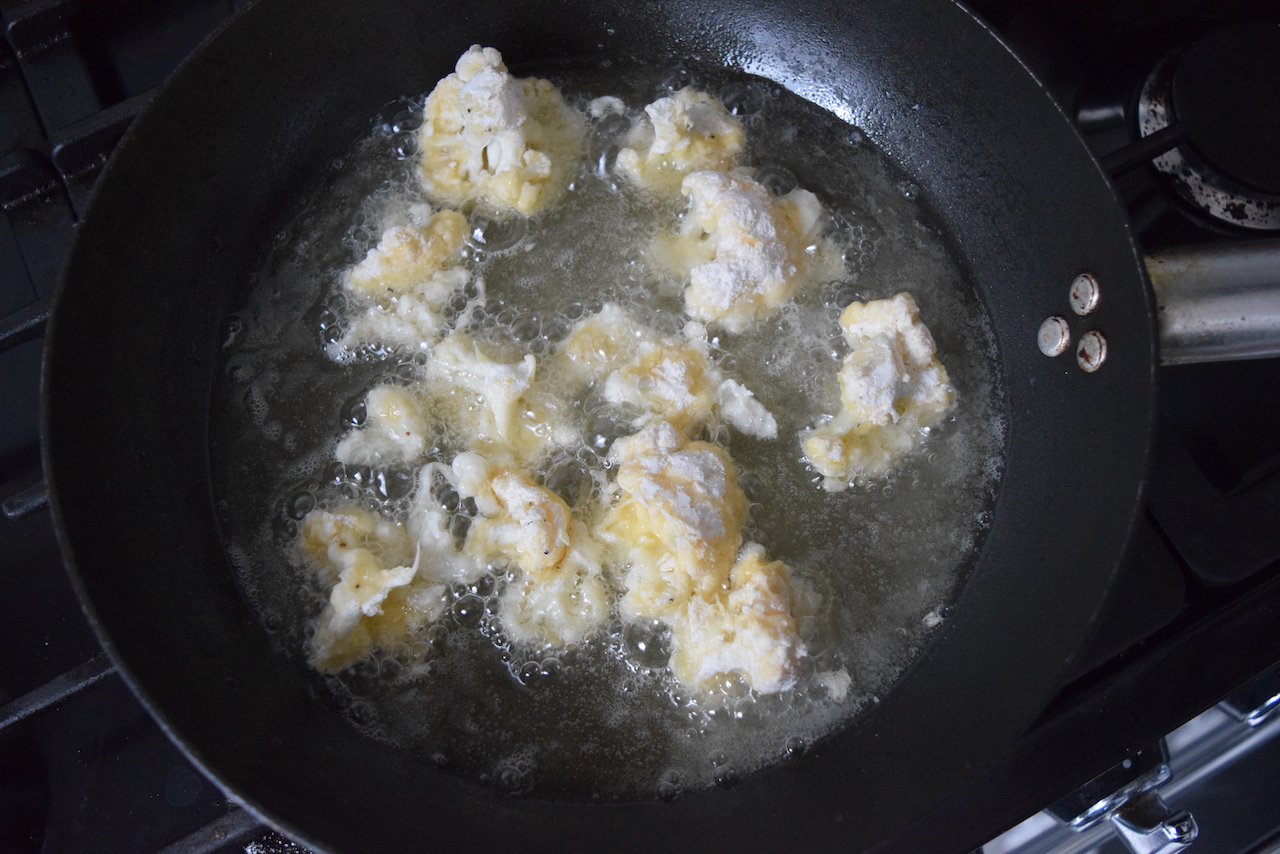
(208,172)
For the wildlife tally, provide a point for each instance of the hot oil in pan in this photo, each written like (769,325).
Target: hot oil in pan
(605,719)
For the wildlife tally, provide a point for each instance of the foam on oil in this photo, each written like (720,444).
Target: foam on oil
(604,718)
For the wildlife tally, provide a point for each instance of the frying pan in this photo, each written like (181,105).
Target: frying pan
(179,216)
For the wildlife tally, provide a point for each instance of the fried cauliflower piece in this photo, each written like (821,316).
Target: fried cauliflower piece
(373,600)
(678,525)
(738,406)
(743,250)
(388,581)
(409,256)
(519,520)
(668,382)
(681,133)
(663,378)
(562,607)
(750,631)
(328,538)
(486,136)
(559,595)
(394,430)
(599,344)
(401,287)
(893,390)
(493,405)
(678,519)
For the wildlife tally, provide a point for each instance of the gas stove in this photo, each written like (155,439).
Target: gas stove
(1169,701)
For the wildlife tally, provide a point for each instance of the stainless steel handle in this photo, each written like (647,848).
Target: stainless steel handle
(1148,826)
(1217,302)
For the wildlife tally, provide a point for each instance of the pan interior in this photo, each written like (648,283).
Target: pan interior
(599,719)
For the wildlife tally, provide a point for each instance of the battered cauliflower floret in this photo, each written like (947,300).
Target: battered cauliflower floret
(401,287)
(409,323)
(559,595)
(519,520)
(486,136)
(744,250)
(598,345)
(562,607)
(893,390)
(682,133)
(738,406)
(671,382)
(387,581)
(372,567)
(408,256)
(663,378)
(750,630)
(493,404)
(394,430)
(327,537)
(677,521)
(678,525)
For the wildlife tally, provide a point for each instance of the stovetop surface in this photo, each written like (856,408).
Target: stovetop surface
(93,773)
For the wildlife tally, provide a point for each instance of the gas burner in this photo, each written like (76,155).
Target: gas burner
(1220,99)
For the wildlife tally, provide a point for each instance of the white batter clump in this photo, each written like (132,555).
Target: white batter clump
(677,523)
(893,389)
(744,251)
(401,287)
(688,131)
(489,137)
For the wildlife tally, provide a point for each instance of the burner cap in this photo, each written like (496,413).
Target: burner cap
(1226,89)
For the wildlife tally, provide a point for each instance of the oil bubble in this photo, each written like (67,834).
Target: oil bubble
(779,180)
(496,235)
(468,610)
(570,480)
(726,776)
(514,776)
(743,98)
(483,586)
(406,120)
(300,504)
(679,78)
(670,785)
(361,714)
(746,712)
(649,642)
(361,678)
(390,669)
(354,412)
(405,145)
(607,423)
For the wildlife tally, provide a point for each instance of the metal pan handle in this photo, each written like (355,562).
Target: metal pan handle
(1218,302)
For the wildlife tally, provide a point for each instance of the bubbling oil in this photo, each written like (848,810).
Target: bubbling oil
(604,718)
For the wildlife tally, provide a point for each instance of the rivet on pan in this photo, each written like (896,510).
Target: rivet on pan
(1084,294)
(1054,336)
(1092,351)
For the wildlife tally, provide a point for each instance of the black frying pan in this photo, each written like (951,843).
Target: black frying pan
(176,223)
